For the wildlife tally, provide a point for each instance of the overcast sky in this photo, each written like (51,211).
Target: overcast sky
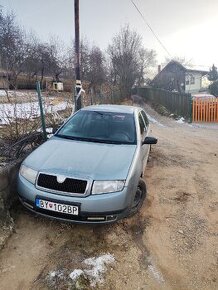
(187,28)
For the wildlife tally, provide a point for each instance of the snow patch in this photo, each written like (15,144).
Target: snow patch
(76,274)
(16,93)
(156,274)
(181,121)
(9,112)
(94,270)
(204,125)
(2,93)
(98,266)
(54,274)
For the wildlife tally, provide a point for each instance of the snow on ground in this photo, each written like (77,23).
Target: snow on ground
(180,121)
(92,270)
(204,125)
(96,268)
(30,110)
(76,274)
(2,93)
(54,274)
(155,273)
(17,93)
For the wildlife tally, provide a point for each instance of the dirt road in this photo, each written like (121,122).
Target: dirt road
(171,244)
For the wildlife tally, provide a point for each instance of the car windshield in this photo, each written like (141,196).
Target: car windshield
(102,127)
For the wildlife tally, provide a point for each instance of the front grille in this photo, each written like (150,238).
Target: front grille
(69,185)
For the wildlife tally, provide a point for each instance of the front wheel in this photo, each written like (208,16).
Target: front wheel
(139,197)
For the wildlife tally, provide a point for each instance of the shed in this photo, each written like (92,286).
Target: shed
(57,86)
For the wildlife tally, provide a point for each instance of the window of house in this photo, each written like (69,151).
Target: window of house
(192,80)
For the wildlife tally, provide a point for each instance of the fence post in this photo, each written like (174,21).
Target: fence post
(190,108)
(41,110)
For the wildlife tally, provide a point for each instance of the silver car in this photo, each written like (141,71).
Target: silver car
(91,170)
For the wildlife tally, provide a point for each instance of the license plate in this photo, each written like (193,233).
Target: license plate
(58,207)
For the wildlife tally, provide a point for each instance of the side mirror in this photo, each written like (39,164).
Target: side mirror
(149,140)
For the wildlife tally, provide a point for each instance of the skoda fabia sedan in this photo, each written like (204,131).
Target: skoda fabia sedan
(91,170)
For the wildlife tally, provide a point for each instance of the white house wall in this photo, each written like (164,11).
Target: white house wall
(205,82)
(193,88)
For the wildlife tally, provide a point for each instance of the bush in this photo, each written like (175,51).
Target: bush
(213,88)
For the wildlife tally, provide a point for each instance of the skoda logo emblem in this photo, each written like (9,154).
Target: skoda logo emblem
(61,178)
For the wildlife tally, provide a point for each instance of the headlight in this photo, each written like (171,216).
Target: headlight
(107,186)
(28,173)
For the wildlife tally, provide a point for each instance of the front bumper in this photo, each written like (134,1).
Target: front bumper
(103,208)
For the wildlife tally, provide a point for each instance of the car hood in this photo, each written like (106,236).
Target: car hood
(96,161)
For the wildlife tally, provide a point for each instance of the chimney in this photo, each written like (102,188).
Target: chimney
(159,68)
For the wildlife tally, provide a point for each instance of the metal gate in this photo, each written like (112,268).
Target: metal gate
(205,110)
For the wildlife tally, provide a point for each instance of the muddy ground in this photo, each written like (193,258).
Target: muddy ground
(172,243)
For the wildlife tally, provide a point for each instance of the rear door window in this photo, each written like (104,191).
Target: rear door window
(142,125)
(145,118)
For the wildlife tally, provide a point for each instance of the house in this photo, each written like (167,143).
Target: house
(176,77)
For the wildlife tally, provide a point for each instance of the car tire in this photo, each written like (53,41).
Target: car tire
(139,197)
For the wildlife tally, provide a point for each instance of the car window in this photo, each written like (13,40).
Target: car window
(145,118)
(141,124)
(96,126)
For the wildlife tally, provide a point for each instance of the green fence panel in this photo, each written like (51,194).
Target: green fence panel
(176,103)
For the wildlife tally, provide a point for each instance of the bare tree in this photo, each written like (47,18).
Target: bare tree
(128,59)
(84,58)
(93,65)
(43,59)
(96,74)
(32,62)
(57,57)
(12,47)
(147,61)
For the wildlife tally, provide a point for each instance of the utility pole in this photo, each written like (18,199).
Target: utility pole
(78,85)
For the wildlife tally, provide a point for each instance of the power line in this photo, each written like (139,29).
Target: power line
(149,26)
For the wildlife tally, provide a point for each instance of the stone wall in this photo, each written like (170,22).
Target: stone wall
(8,196)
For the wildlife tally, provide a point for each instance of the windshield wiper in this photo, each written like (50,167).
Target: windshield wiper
(65,137)
(105,141)
(94,140)
(80,138)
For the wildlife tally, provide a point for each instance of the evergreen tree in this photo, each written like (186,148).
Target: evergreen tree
(213,74)
(213,88)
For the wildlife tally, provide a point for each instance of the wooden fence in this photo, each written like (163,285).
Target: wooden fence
(176,103)
(205,110)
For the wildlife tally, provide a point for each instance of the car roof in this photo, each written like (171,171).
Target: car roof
(112,108)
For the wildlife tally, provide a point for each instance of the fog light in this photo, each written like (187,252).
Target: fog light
(96,218)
